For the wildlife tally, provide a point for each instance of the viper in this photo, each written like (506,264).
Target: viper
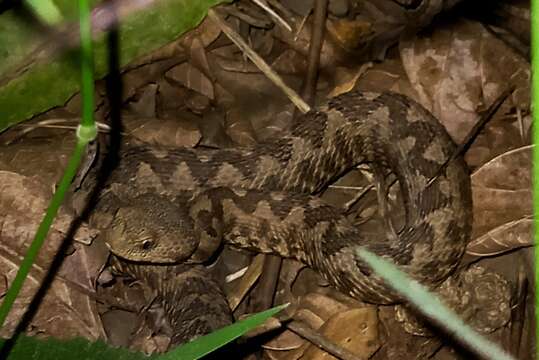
(174,205)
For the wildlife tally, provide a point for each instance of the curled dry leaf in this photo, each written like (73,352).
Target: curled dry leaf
(346,78)
(64,311)
(503,205)
(461,68)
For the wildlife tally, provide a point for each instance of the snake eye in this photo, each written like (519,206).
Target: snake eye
(147,244)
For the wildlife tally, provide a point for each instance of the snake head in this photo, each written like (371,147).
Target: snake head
(152,228)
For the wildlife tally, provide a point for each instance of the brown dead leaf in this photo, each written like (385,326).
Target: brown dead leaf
(279,347)
(165,132)
(145,104)
(346,79)
(355,330)
(238,126)
(207,32)
(502,200)
(170,97)
(192,78)
(198,58)
(46,156)
(64,311)
(228,59)
(212,128)
(197,103)
(247,280)
(460,69)
(350,33)
(289,62)
(322,305)
(299,41)
(504,238)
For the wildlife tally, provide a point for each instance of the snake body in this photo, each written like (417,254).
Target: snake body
(183,202)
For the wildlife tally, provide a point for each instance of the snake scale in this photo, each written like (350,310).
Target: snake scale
(179,204)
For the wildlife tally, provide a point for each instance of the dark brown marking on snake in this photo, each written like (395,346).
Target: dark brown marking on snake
(313,132)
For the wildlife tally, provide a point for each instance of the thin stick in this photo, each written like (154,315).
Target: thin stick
(474,132)
(258,61)
(278,19)
(247,281)
(318,28)
(321,341)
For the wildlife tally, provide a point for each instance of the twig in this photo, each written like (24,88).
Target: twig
(249,278)
(321,341)
(519,119)
(265,290)
(318,28)
(258,61)
(359,195)
(474,132)
(278,19)
(52,123)
(518,312)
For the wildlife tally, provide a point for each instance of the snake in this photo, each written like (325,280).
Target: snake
(173,204)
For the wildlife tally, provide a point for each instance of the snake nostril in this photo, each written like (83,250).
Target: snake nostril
(147,244)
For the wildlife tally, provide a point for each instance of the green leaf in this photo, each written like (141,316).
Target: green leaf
(81,349)
(41,85)
(208,343)
(429,305)
(46,10)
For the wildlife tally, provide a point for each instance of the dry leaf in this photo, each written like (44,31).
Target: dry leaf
(350,33)
(504,238)
(145,104)
(170,97)
(461,68)
(212,129)
(207,32)
(355,330)
(288,62)
(198,58)
(322,305)
(65,311)
(503,204)
(238,126)
(192,78)
(169,132)
(346,79)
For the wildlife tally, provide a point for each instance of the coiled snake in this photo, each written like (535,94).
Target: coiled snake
(178,204)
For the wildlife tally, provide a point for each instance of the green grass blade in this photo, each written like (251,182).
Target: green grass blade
(86,132)
(429,305)
(208,343)
(41,233)
(87,66)
(27,347)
